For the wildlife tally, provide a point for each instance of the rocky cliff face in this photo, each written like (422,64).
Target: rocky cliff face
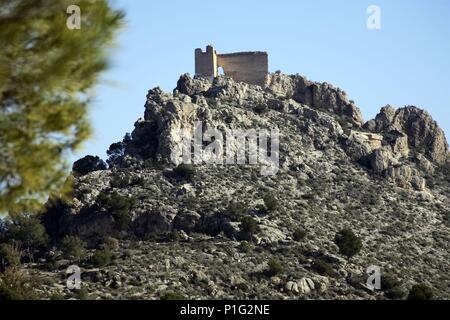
(385,179)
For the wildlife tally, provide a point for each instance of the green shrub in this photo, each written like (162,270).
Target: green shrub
(174,236)
(396,293)
(73,247)
(119,207)
(184,172)
(391,287)
(349,244)
(235,210)
(261,108)
(16,285)
(249,225)
(112,243)
(3,231)
(323,268)
(170,295)
(121,180)
(81,294)
(299,234)
(274,267)
(245,246)
(9,256)
(28,231)
(56,296)
(420,292)
(270,202)
(102,258)
(388,282)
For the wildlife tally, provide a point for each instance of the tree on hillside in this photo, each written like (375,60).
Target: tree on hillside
(349,244)
(46,71)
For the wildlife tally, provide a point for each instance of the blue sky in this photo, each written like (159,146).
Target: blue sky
(406,62)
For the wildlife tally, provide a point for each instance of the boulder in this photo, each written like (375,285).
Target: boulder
(398,142)
(151,223)
(190,86)
(383,120)
(292,286)
(380,159)
(305,285)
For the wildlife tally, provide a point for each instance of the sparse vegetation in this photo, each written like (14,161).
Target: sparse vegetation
(9,256)
(73,247)
(16,285)
(420,292)
(102,258)
(349,244)
(391,287)
(235,211)
(249,226)
(112,243)
(274,267)
(27,231)
(170,295)
(119,206)
(323,268)
(81,294)
(184,172)
(270,202)
(299,234)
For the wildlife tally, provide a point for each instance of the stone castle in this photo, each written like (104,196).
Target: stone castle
(250,67)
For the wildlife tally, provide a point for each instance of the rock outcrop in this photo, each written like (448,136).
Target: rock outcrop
(322,96)
(417,127)
(386,179)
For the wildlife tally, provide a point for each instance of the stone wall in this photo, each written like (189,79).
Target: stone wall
(249,67)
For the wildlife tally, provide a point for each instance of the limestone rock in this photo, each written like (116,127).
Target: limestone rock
(380,159)
(190,86)
(405,176)
(383,120)
(424,164)
(305,285)
(423,133)
(292,286)
(152,223)
(317,95)
(398,142)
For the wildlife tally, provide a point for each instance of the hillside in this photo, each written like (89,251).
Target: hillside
(228,231)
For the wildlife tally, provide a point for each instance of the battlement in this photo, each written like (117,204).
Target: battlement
(250,67)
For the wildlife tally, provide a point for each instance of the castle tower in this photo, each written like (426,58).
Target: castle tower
(206,62)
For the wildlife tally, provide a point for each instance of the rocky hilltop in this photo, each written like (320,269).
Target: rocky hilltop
(226,231)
